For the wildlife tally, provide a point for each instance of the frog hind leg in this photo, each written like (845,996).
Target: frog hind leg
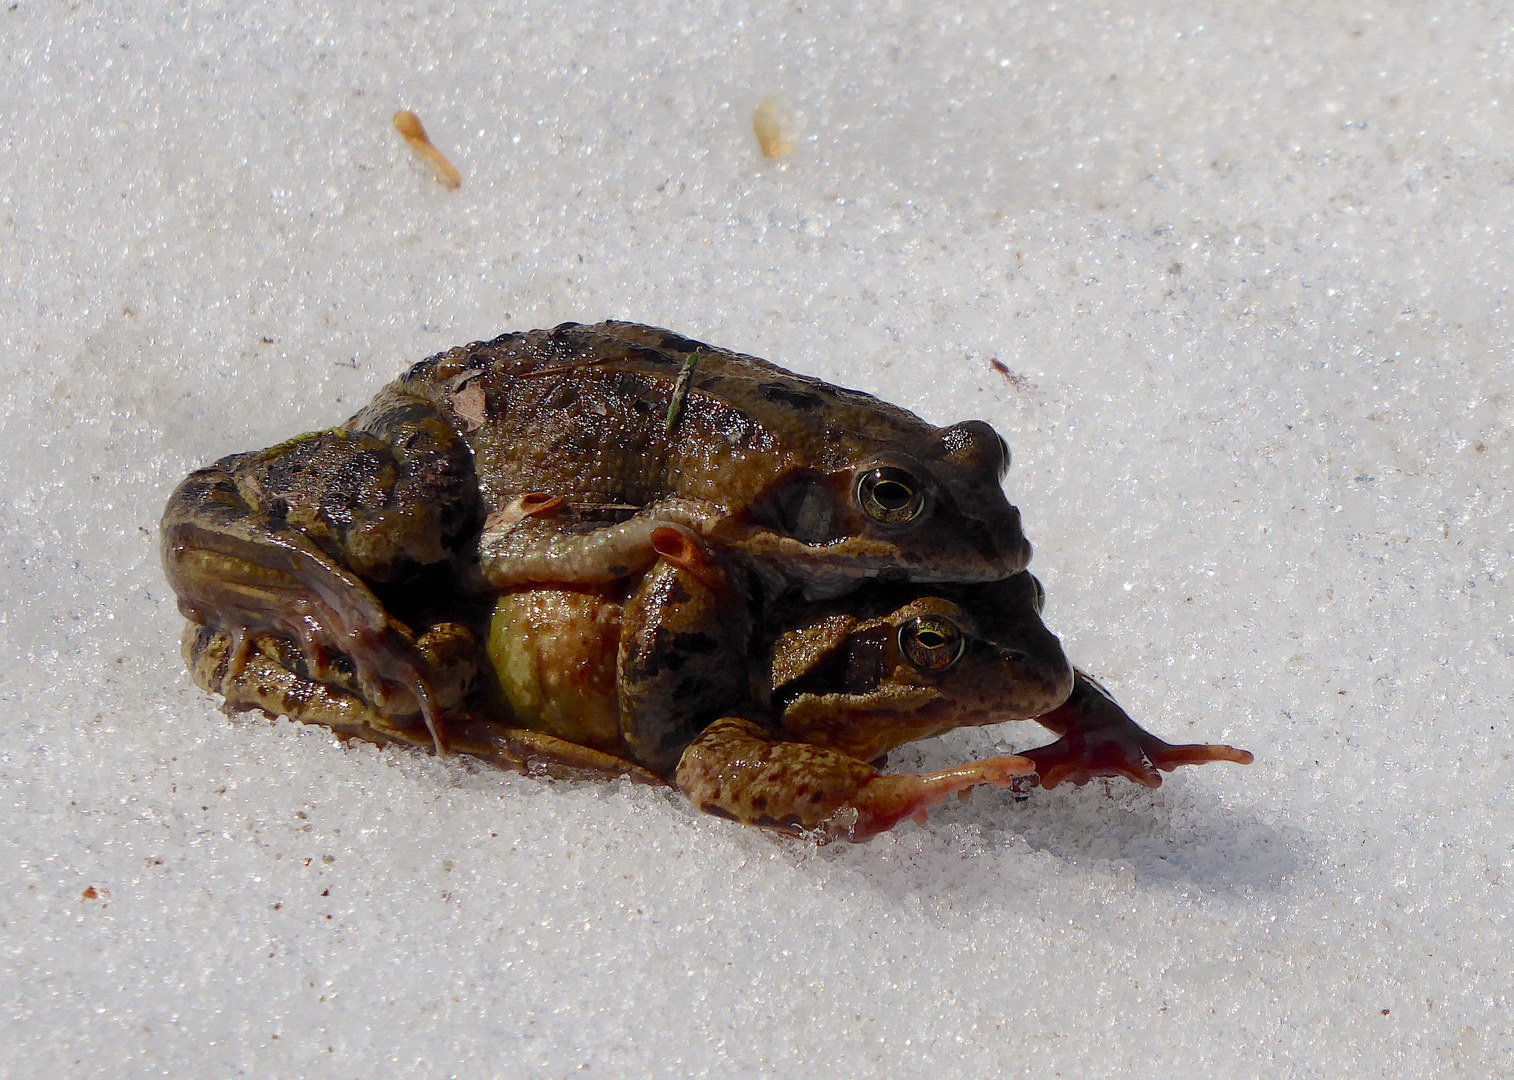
(736,769)
(681,661)
(1100,739)
(282,541)
(535,753)
(267,679)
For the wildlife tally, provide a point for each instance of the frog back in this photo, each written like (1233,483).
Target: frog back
(621,415)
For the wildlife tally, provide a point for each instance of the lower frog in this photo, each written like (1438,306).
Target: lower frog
(558,685)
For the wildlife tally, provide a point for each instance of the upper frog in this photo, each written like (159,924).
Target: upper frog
(823,485)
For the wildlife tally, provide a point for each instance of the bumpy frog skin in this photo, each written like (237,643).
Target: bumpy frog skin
(331,539)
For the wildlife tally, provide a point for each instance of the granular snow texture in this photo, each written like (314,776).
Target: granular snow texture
(1232,280)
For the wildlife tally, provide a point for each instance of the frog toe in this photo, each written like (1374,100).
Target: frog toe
(1167,757)
(884,801)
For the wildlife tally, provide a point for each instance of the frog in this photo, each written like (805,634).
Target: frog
(622,433)
(828,689)
(831,688)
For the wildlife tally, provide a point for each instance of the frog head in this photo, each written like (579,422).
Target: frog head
(889,665)
(927,507)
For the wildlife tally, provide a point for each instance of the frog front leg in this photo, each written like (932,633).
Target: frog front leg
(682,656)
(736,769)
(288,540)
(537,539)
(1100,739)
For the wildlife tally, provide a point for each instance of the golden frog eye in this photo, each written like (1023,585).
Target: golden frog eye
(890,496)
(931,642)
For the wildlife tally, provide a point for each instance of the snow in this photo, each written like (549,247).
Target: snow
(1248,270)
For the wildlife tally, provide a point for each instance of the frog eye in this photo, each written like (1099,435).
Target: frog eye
(890,496)
(931,643)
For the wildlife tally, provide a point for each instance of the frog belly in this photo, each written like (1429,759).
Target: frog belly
(553,654)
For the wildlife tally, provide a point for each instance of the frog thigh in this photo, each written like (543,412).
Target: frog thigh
(391,493)
(683,648)
(736,769)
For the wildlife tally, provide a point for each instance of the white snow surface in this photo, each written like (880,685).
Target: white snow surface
(1248,269)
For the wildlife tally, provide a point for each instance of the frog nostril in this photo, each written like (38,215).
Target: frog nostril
(1015,656)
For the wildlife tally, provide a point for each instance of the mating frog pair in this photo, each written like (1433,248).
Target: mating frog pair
(614,549)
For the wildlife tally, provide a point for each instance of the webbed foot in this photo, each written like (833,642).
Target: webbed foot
(1100,739)
(273,673)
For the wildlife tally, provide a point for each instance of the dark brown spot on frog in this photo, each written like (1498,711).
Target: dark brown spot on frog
(643,355)
(677,343)
(865,659)
(363,468)
(670,651)
(790,395)
(562,396)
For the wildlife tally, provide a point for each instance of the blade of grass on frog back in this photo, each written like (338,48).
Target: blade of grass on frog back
(681,392)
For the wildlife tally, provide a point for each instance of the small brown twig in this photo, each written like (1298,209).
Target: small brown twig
(409,127)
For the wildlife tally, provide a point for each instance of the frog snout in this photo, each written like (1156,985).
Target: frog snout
(995,542)
(1040,669)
